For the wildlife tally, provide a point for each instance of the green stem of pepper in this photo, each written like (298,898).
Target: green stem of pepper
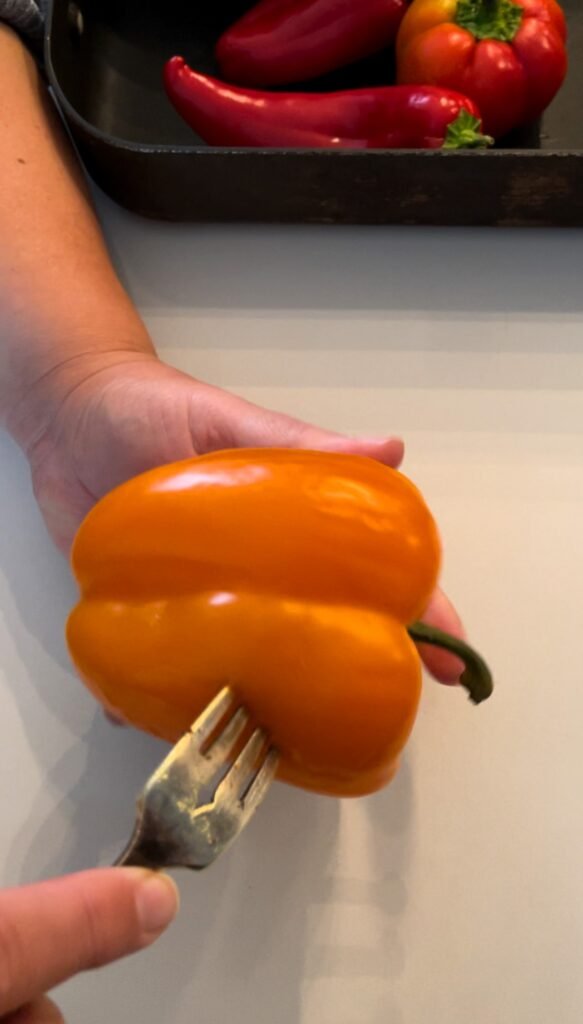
(476,677)
(490,19)
(465,133)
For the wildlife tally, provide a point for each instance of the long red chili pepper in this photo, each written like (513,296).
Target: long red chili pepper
(386,117)
(283,41)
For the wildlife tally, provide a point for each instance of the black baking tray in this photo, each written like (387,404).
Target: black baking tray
(104,61)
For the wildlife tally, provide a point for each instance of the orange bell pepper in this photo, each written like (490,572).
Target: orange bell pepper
(290,576)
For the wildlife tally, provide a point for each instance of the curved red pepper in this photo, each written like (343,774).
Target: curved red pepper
(388,117)
(508,55)
(282,41)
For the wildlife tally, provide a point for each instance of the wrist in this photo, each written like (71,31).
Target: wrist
(34,408)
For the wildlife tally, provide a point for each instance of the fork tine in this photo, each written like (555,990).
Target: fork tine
(204,726)
(218,824)
(172,828)
(232,788)
(223,746)
(187,760)
(261,783)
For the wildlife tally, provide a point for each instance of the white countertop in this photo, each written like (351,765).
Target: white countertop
(456,895)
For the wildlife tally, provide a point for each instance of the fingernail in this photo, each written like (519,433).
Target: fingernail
(451,680)
(394,445)
(157,902)
(376,441)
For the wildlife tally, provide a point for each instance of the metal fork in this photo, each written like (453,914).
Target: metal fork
(173,828)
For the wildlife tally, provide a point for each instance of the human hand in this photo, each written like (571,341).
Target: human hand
(53,930)
(95,423)
(126,416)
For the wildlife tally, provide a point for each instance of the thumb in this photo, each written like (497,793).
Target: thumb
(238,423)
(52,930)
(42,1011)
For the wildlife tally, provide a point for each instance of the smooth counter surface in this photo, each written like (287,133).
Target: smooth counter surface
(455,895)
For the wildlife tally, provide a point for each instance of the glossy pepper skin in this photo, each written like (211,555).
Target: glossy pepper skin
(278,42)
(389,117)
(289,575)
(509,56)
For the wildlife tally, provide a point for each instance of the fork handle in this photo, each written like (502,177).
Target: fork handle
(131,858)
(135,854)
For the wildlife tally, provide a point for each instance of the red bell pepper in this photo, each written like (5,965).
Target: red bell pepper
(509,55)
(283,41)
(387,117)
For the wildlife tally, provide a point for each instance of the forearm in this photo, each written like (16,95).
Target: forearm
(61,304)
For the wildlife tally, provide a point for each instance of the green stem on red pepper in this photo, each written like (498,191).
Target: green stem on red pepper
(465,133)
(490,19)
(476,677)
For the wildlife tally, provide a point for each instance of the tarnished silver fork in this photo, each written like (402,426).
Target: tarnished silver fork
(178,822)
